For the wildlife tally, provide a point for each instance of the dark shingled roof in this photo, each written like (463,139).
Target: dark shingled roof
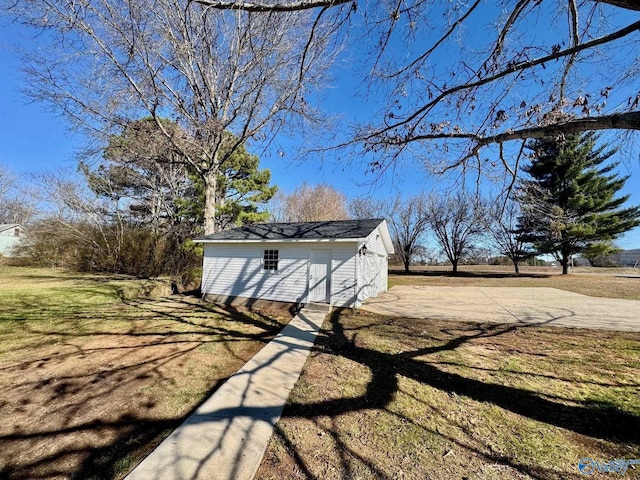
(298,230)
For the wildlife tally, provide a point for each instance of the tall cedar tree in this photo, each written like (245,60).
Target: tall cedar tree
(569,203)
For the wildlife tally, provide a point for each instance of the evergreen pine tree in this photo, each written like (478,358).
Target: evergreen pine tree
(141,167)
(569,202)
(243,188)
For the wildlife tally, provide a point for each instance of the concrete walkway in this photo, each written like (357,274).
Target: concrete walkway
(524,305)
(227,436)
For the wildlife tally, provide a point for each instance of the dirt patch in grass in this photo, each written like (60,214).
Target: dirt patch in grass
(93,379)
(405,398)
(611,282)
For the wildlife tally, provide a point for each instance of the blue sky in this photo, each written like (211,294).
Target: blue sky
(35,140)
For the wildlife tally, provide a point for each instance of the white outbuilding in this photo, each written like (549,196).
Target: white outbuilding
(341,263)
(11,234)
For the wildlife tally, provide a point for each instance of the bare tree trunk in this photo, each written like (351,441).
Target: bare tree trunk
(516,266)
(210,200)
(406,261)
(455,266)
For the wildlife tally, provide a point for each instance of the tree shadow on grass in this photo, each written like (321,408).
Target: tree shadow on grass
(135,434)
(78,443)
(136,439)
(596,420)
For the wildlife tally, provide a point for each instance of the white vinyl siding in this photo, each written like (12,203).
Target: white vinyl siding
(237,270)
(10,237)
(374,243)
(371,275)
(372,267)
(343,275)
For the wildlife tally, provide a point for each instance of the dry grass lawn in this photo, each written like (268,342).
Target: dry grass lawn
(93,377)
(395,398)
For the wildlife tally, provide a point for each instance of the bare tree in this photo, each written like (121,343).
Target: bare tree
(210,70)
(492,89)
(408,222)
(80,218)
(276,207)
(314,203)
(517,85)
(456,222)
(6,184)
(363,207)
(16,205)
(93,229)
(502,222)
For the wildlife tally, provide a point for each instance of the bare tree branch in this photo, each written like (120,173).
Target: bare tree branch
(516,12)
(271,7)
(305,5)
(419,114)
(616,121)
(626,4)
(447,34)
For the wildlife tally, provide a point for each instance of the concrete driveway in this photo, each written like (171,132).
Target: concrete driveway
(524,305)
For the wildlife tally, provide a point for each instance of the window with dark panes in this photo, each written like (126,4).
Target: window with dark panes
(270,261)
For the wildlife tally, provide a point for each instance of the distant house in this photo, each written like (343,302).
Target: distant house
(10,235)
(341,263)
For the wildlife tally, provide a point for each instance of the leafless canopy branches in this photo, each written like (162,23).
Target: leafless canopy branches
(15,206)
(210,70)
(271,6)
(408,221)
(310,203)
(462,93)
(460,76)
(456,222)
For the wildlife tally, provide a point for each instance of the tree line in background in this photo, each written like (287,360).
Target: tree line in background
(566,204)
(138,210)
